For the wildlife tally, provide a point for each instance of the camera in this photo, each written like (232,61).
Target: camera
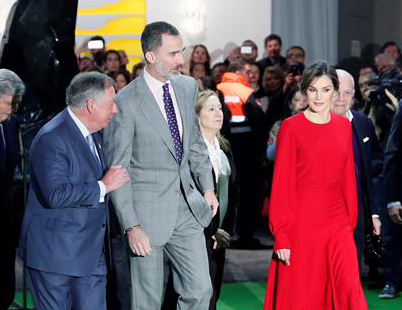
(388,80)
(296,69)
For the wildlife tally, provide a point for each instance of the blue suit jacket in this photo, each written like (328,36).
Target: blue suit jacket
(64,224)
(371,157)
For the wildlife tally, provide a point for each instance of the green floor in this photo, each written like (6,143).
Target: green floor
(250,296)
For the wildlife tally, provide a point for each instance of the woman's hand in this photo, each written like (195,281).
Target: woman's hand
(284,255)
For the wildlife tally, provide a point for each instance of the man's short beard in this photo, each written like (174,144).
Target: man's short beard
(164,74)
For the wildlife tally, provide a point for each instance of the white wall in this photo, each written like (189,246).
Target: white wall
(227,22)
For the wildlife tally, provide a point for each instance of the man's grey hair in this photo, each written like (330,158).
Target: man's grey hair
(151,37)
(346,74)
(385,56)
(87,85)
(10,83)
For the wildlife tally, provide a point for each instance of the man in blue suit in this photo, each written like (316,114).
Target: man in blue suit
(11,90)
(367,156)
(63,232)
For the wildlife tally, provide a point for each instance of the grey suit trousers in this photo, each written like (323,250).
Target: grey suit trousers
(186,251)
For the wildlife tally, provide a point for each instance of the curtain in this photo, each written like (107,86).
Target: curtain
(312,24)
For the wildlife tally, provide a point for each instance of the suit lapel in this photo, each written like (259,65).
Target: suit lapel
(81,146)
(153,114)
(357,128)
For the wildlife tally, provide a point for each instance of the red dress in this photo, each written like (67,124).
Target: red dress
(313,212)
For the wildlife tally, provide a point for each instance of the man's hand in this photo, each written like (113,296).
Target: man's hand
(284,255)
(393,106)
(289,81)
(138,242)
(211,201)
(395,214)
(376,226)
(222,239)
(234,54)
(115,178)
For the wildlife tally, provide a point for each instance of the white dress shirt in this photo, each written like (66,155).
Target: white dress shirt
(85,132)
(156,88)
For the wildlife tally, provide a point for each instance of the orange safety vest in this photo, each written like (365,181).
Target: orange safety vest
(236,91)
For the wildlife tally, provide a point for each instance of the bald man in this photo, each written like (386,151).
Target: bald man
(367,156)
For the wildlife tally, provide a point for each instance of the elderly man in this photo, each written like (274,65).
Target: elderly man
(367,156)
(65,222)
(171,196)
(11,91)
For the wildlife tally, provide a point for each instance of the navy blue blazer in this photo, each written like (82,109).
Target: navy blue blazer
(7,218)
(371,158)
(64,224)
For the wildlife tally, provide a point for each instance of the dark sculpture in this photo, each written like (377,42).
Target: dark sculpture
(39,47)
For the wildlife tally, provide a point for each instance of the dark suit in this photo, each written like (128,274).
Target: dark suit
(367,156)
(8,226)
(392,233)
(268,62)
(63,231)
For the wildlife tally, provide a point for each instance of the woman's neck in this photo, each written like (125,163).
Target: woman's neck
(318,117)
(209,135)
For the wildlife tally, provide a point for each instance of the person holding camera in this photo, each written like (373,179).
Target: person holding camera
(380,94)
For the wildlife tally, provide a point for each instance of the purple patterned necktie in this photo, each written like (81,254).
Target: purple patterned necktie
(172,122)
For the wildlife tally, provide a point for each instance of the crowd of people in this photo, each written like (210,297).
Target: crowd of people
(175,147)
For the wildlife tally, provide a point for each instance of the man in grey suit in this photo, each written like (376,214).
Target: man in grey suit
(156,137)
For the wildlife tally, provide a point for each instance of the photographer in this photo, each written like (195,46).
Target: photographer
(295,58)
(380,94)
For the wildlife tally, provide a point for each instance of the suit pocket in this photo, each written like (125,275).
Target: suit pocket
(61,225)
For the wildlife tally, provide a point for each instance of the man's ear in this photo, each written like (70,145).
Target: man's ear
(150,57)
(91,105)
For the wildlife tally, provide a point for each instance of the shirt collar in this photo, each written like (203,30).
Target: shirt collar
(84,130)
(154,84)
(349,115)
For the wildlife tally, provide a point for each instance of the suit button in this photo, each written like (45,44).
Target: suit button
(103,225)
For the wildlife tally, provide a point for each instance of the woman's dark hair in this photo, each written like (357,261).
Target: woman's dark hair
(112,52)
(137,67)
(207,64)
(193,65)
(316,71)
(124,73)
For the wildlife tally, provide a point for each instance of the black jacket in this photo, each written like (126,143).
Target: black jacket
(371,161)
(393,160)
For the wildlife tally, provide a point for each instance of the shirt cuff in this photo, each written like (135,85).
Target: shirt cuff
(393,204)
(375,216)
(209,190)
(102,189)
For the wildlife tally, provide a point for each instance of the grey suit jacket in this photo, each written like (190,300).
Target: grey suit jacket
(138,138)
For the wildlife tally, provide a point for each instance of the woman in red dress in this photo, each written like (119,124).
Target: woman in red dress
(313,208)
